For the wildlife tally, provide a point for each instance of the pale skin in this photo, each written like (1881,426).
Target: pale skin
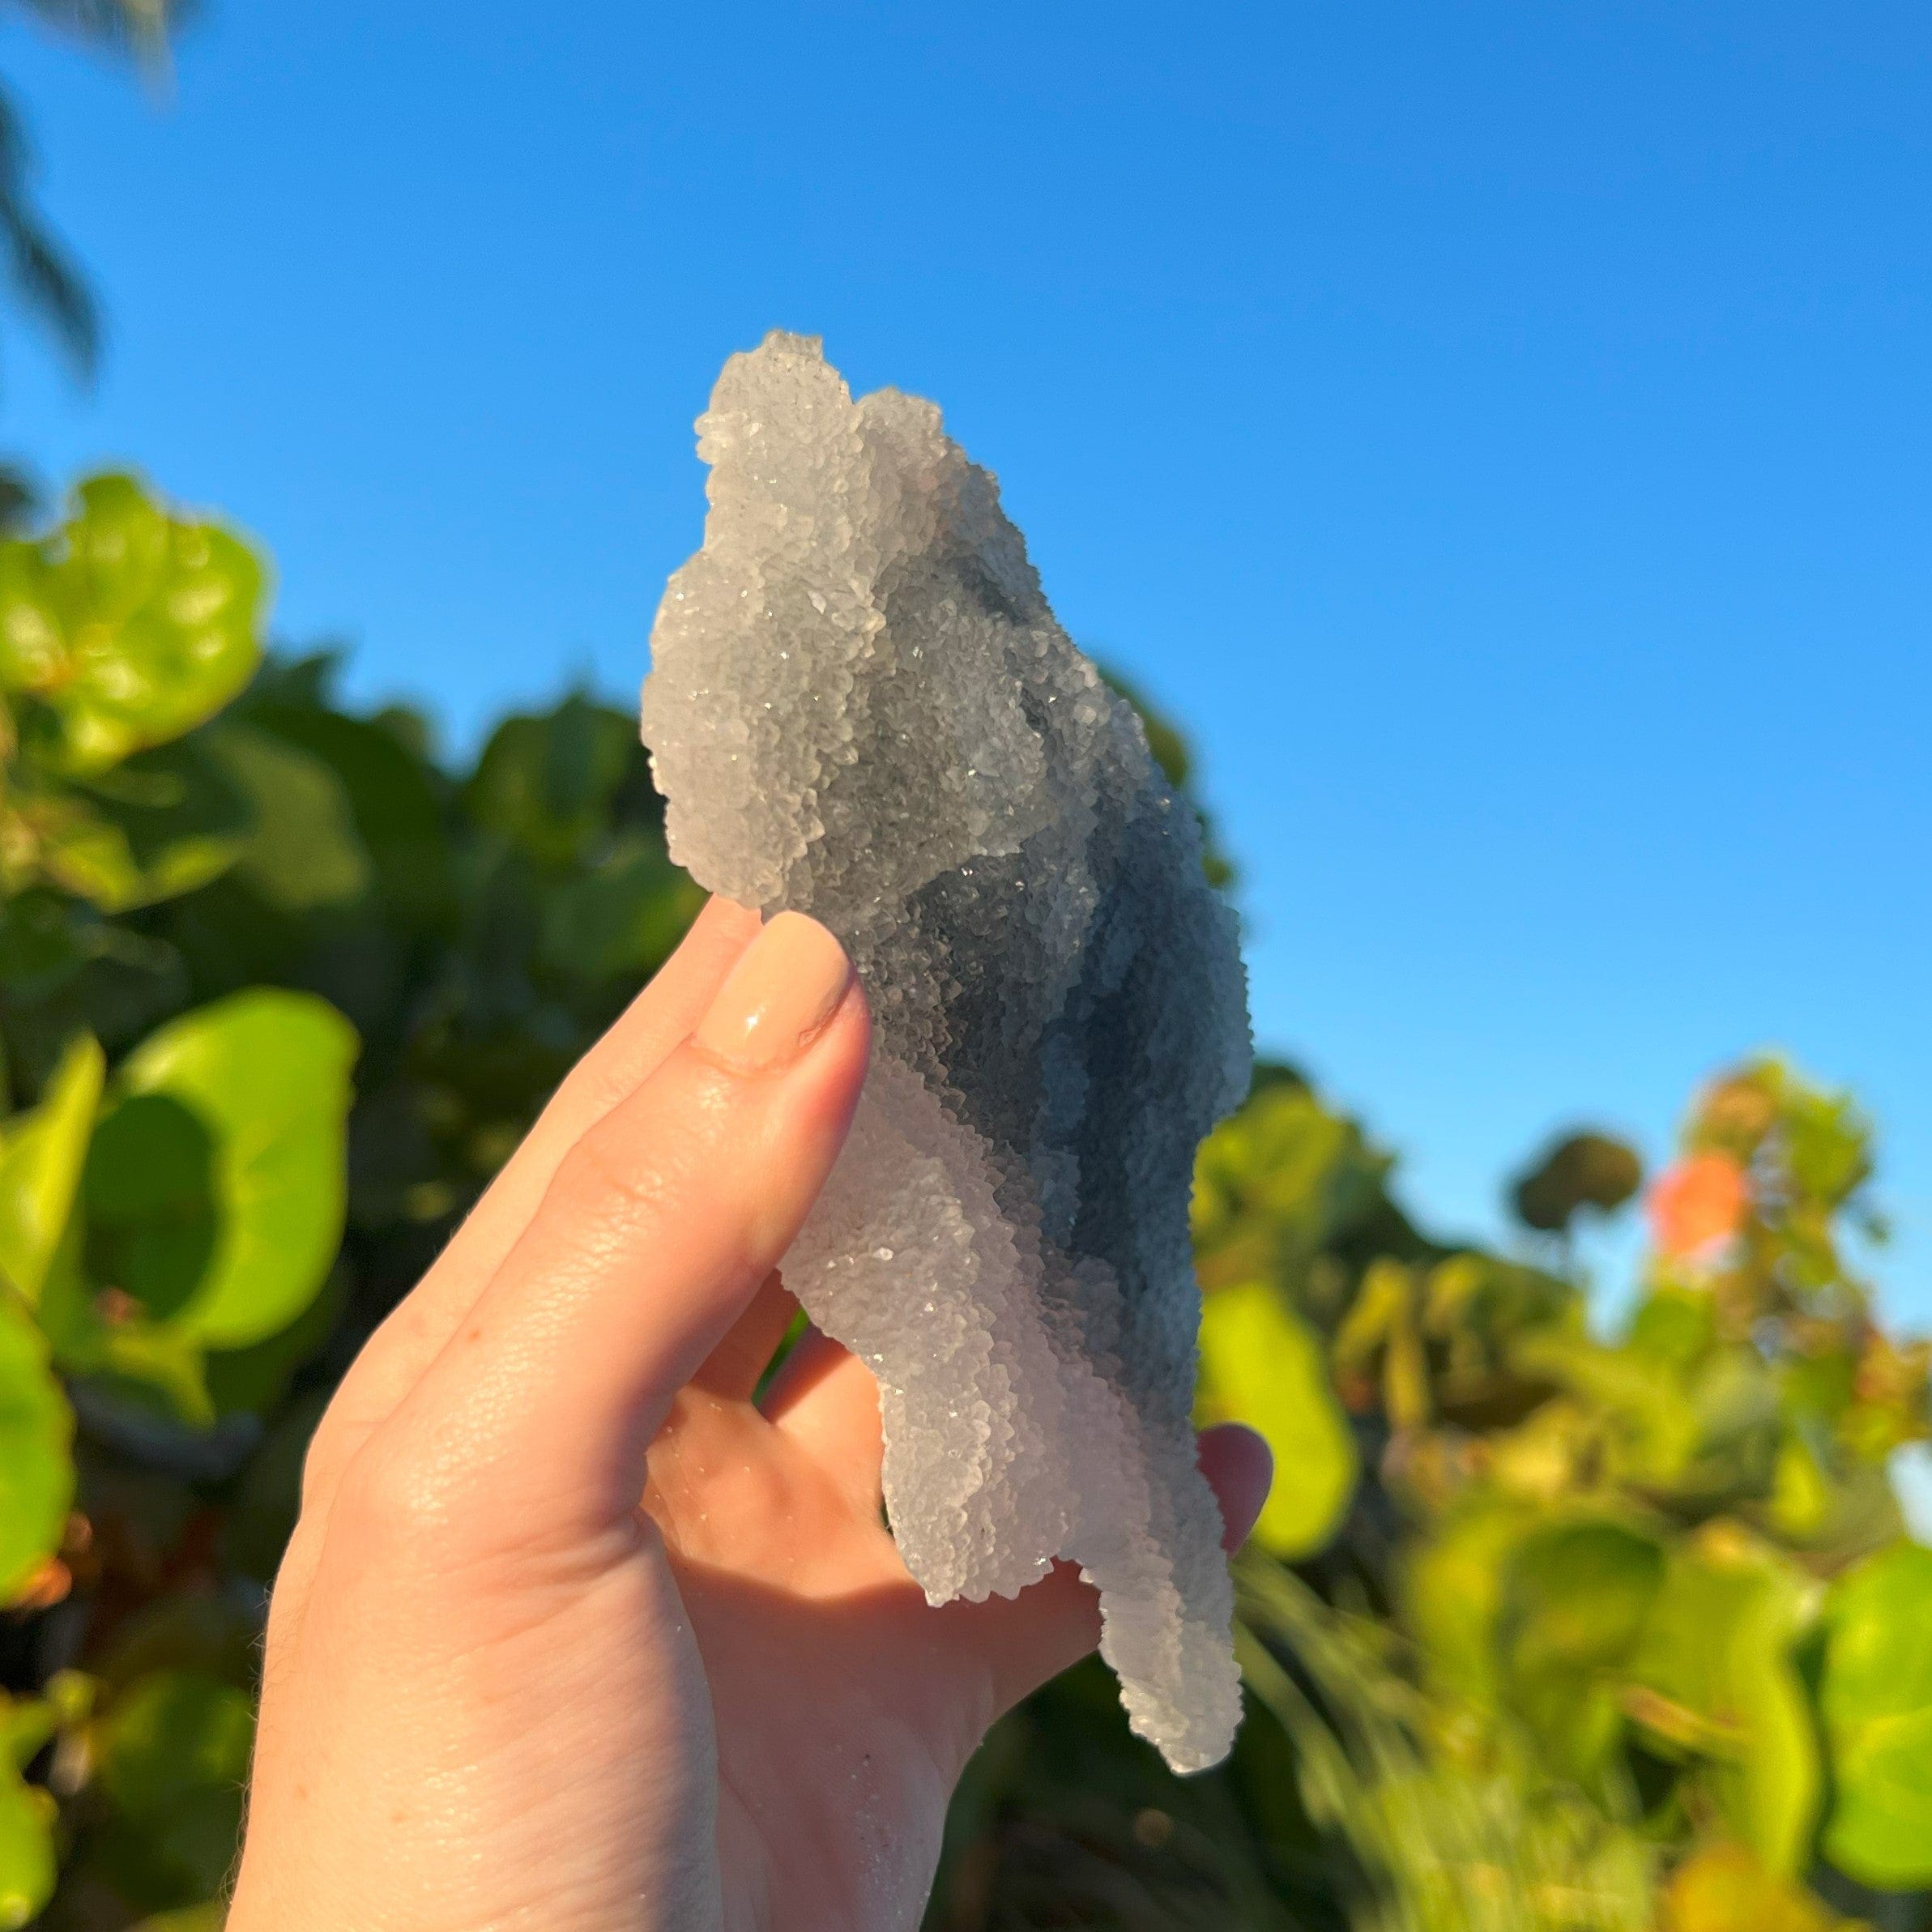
(572,1634)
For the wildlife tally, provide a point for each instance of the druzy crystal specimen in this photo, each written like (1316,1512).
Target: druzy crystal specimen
(861,707)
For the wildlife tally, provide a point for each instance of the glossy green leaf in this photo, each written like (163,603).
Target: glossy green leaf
(1262,1365)
(215,1185)
(1876,1700)
(1718,1653)
(36,1427)
(43,1155)
(125,628)
(1277,1182)
(27,1862)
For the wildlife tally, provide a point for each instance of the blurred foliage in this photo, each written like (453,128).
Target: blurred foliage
(1547,1625)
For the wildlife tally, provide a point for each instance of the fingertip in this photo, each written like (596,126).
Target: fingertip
(1240,1467)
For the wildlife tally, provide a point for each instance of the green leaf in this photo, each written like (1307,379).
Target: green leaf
(36,1471)
(1723,1888)
(306,853)
(547,783)
(126,627)
(173,1751)
(1575,1598)
(620,919)
(215,1185)
(210,1918)
(27,1862)
(162,824)
(1876,1700)
(1280,1181)
(1717,1652)
(43,1154)
(1259,1364)
(395,798)
(1452,1594)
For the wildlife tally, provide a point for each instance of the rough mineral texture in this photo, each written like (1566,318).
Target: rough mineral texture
(861,707)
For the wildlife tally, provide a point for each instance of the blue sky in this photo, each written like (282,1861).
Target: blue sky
(1498,433)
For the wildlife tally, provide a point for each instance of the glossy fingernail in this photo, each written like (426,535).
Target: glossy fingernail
(785,986)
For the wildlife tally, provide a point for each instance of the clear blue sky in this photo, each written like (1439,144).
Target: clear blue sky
(1498,432)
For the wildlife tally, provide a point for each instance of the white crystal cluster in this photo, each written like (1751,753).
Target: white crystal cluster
(861,707)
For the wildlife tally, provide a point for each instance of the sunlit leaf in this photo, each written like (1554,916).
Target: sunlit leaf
(1876,1699)
(215,1185)
(1452,1591)
(43,1154)
(160,824)
(1723,1888)
(37,1472)
(1575,1600)
(210,1918)
(1260,1365)
(1717,1656)
(26,1863)
(126,627)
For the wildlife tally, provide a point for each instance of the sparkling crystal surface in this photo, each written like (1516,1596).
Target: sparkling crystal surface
(861,707)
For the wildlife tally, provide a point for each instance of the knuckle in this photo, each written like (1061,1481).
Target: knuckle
(394,1500)
(323,1463)
(611,1178)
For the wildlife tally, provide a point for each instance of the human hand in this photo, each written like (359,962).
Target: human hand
(499,1692)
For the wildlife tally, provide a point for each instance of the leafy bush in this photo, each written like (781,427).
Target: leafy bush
(1543,1627)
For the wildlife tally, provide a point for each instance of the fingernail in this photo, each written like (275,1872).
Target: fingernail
(785,986)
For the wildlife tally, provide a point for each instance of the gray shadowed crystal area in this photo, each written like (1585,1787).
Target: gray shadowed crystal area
(860,706)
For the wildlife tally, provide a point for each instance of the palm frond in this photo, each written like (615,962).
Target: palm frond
(48,283)
(138,27)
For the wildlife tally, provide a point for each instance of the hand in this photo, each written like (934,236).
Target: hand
(498,1693)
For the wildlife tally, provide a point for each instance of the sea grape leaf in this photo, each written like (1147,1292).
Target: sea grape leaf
(37,1428)
(1876,1701)
(546,783)
(43,1154)
(1260,1364)
(1276,1184)
(1452,1594)
(1575,1598)
(162,823)
(1717,1653)
(1582,1170)
(126,627)
(394,795)
(173,1751)
(27,1870)
(209,1917)
(620,916)
(1723,1888)
(215,1185)
(306,853)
